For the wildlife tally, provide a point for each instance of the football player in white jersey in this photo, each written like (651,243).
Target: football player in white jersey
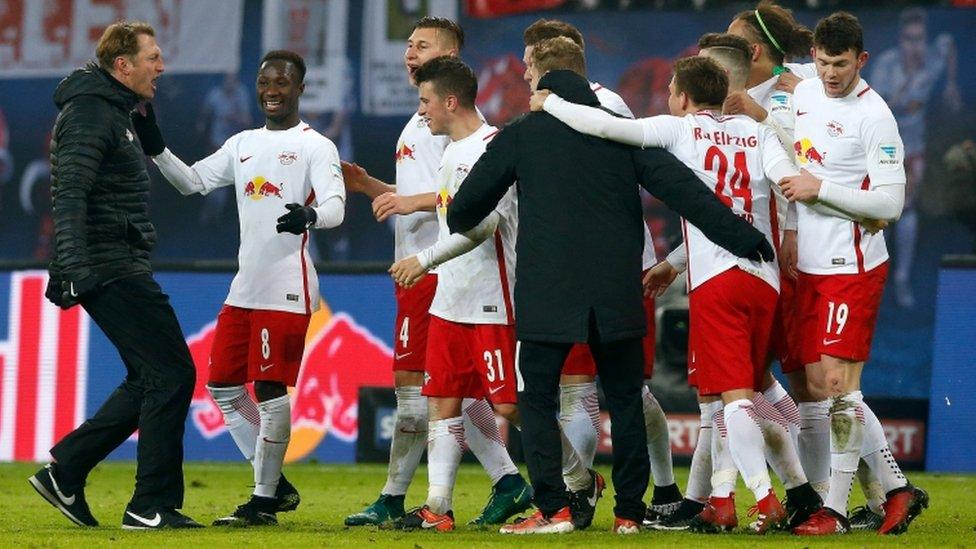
(724,292)
(906,77)
(710,460)
(286,174)
(775,35)
(471,340)
(579,410)
(412,200)
(847,141)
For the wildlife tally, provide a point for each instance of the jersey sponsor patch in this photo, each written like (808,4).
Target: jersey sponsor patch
(888,154)
(259,187)
(337,172)
(779,102)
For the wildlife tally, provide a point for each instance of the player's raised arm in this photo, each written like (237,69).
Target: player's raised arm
(185,179)
(594,121)
(358,180)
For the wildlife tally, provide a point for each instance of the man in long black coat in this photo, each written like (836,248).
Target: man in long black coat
(578,272)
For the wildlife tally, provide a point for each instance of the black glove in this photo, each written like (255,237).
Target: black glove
(53,291)
(762,252)
(73,292)
(149,135)
(298,219)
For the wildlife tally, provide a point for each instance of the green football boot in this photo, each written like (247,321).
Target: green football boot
(384,510)
(509,497)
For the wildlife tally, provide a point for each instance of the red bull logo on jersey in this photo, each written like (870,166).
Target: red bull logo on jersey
(442,200)
(806,153)
(403,152)
(259,188)
(340,356)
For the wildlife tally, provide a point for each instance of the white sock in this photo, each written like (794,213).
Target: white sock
(240,416)
(579,416)
(846,437)
(886,470)
(484,439)
(273,437)
(746,446)
(700,474)
(724,471)
(575,474)
(778,448)
(877,454)
(874,494)
(783,402)
(409,440)
(813,444)
(658,440)
(445,445)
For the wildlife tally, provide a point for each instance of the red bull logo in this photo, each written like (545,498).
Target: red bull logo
(403,152)
(340,356)
(806,153)
(442,200)
(259,187)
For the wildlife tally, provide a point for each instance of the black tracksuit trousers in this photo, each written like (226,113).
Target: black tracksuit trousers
(138,319)
(620,365)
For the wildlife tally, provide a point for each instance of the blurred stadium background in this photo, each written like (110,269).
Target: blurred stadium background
(56,366)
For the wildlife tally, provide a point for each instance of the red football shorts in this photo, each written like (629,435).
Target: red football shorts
(783,341)
(471,360)
(580,361)
(731,317)
(412,321)
(836,314)
(257,345)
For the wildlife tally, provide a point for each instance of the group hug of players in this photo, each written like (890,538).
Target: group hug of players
(808,154)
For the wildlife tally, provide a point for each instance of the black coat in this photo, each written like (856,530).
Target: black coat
(99,182)
(580,236)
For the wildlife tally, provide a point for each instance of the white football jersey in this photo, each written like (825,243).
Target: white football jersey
(611,100)
(779,106)
(418,154)
(735,157)
(851,141)
(268,170)
(476,287)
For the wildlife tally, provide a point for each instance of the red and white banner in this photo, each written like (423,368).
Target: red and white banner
(50,38)
(43,388)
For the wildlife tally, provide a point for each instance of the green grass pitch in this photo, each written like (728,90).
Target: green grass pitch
(330,492)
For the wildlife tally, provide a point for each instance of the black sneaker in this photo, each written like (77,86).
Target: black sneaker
(156,518)
(801,503)
(258,511)
(863,518)
(582,503)
(666,501)
(72,505)
(287,496)
(680,519)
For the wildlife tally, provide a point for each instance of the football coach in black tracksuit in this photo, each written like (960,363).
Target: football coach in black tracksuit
(578,274)
(103,235)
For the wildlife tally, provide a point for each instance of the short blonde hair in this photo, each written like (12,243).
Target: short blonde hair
(120,38)
(559,53)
